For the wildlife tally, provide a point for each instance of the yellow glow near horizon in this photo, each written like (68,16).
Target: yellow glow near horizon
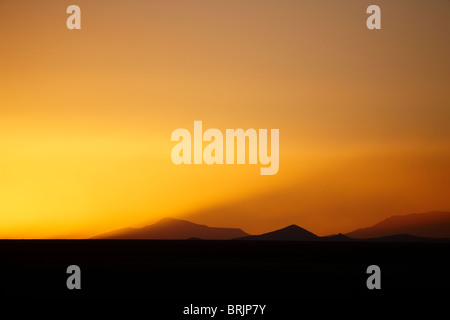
(86,116)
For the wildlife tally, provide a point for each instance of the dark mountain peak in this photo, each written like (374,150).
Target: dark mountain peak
(289,233)
(292,227)
(337,237)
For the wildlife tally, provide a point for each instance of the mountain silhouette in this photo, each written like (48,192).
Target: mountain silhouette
(170,228)
(290,233)
(424,227)
(434,224)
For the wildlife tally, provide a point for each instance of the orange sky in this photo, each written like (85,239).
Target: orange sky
(86,116)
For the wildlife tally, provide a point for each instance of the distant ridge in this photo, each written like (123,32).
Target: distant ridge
(290,233)
(176,229)
(434,224)
(423,227)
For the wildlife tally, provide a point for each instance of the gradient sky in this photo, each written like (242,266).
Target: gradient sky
(86,115)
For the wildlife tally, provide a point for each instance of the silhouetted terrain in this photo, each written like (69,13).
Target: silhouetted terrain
(427,225)
(290,233)
(182,272)
(285,266)
(295,233)
(169,228)
(336,237)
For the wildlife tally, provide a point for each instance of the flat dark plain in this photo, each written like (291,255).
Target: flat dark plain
(204,270)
